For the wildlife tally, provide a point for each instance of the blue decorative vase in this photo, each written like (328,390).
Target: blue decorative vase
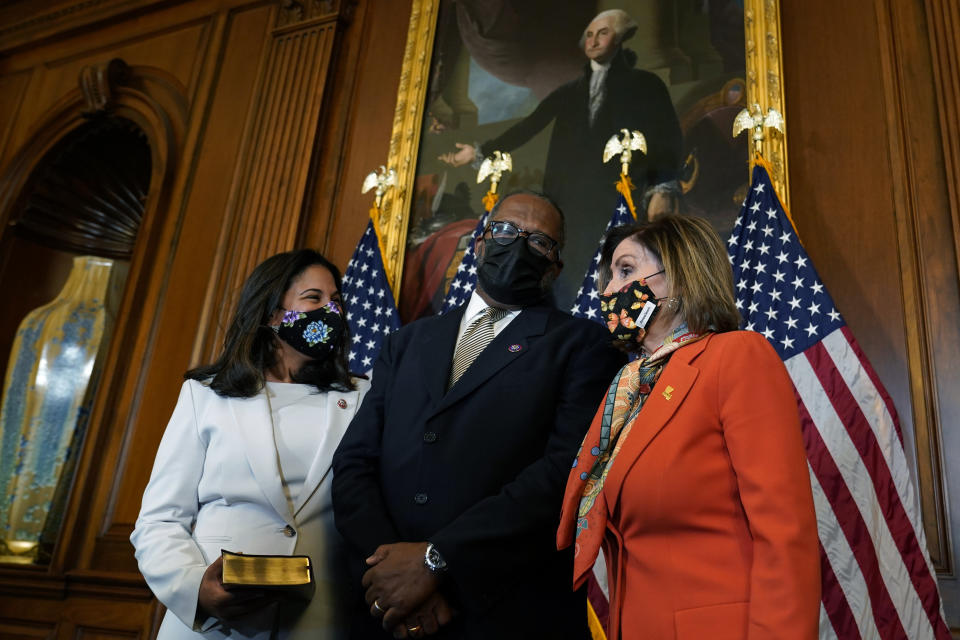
(45,403)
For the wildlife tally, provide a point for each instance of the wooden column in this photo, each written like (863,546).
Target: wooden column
(267,195)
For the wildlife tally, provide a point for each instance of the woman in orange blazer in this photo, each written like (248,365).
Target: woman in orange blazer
(693,478)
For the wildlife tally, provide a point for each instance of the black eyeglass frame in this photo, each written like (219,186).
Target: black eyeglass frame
(653,274)
(517,233)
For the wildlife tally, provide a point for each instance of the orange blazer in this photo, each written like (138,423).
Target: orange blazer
(711,527)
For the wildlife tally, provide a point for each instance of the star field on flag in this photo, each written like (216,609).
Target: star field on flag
(587,302)
(465,281)
(371,309)
(779,293)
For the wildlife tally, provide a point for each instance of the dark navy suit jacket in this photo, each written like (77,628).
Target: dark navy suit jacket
(478,470)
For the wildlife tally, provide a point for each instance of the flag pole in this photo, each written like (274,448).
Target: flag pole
(623,145)
(625,188)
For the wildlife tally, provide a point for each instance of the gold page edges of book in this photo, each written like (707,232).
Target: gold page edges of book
(291,575)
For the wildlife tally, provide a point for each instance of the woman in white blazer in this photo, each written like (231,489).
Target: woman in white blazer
(244,463)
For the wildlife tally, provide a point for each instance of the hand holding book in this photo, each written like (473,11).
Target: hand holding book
(227,602)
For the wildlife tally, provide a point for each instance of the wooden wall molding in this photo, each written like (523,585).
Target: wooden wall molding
(98,83)
(944,21)
(299,12)
(269,188)
(355,132)
(908,120)
(68,16)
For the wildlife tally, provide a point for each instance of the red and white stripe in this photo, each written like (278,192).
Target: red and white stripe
(878,581)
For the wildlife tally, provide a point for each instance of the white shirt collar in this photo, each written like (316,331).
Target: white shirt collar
(475,307)
(597,66)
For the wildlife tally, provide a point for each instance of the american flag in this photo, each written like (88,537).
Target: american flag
(878,581)
(465,281)
(371,309)
(587,303)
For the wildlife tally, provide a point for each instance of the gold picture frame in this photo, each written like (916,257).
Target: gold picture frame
(764,70)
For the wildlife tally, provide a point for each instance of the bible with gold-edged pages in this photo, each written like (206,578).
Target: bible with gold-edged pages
(290,575)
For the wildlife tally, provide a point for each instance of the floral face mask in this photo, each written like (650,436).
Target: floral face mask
(315,333)
(630,311)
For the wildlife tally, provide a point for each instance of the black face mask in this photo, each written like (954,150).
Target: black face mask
(512,274)
(630,311)
(316,333)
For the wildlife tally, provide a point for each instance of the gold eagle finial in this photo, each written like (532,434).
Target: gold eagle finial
(753,118)
(625,146)
(494,166)
(381,179)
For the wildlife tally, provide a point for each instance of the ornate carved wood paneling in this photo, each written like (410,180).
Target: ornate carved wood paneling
(12,91)
(943,18)
(270,186)
(943,38)
(88,195)
(190,90)
(21,24)
(356,138)
(14,629)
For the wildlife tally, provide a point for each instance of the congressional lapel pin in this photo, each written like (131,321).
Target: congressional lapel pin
(668,392)
(342,403)
(514,348)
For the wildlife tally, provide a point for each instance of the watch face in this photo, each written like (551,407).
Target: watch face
(434,559)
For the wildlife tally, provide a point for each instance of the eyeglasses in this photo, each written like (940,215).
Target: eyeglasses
(653,274)
(505,233)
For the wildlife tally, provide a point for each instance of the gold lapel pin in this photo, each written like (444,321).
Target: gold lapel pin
(667,393)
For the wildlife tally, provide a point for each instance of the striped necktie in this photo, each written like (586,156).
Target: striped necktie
(474,340)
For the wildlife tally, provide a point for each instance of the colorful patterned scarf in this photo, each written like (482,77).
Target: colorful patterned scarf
(625,398)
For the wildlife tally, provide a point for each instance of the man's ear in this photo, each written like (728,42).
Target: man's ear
(478,247)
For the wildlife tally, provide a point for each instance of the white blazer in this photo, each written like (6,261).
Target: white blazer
(216,484)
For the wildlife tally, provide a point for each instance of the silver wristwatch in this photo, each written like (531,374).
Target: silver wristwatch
(433,561)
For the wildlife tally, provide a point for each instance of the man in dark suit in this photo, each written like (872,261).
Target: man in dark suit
(610,95)
(449,481)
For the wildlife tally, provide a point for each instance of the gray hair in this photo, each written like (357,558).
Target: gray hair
(623,25)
